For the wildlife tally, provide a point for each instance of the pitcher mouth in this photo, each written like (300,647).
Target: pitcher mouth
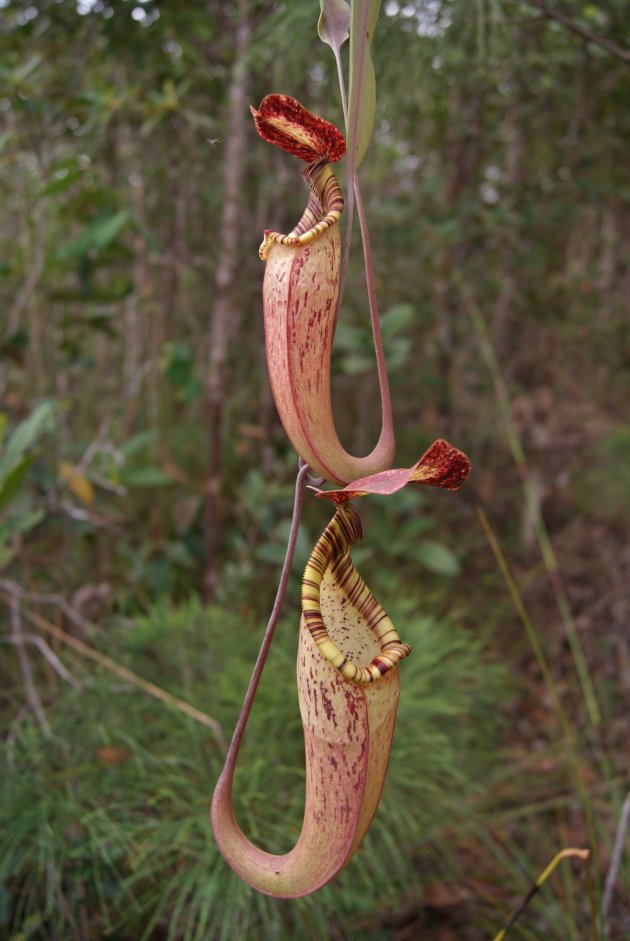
(323,210)
(332,553)
(281,120)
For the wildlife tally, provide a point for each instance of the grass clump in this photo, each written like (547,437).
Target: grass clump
(106,829)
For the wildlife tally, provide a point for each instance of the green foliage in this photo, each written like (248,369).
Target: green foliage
(362,80)
(402,531)
(16,452)
(178,365)
(112,816)
(607,474)
(356,346)
(258,541)
(19,512)
(97,234)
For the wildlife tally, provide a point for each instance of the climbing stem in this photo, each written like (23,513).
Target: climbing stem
(239,731)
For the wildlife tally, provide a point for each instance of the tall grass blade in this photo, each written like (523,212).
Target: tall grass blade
(540,881)
(542,535)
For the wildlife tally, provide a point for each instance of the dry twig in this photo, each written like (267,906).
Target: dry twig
(106,662)
(17,637)
(573,27)
(49,655)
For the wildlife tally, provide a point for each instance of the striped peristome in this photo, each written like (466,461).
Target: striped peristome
(332,553)
(323,210)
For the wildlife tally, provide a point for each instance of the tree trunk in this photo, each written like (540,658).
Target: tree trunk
(224,312)
(508,237)
(464,156)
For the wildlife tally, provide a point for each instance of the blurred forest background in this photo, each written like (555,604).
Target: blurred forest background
(146,485)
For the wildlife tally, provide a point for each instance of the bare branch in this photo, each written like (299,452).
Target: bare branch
(89,516)
(94,447)
(583,31)
(36,597)
(32,695)
(105,484)
(106,662)
(49,655)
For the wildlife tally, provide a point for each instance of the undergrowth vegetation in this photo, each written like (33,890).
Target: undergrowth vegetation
(107,829)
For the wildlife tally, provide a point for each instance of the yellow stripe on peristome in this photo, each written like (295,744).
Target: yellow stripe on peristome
(323,210)
(332,552)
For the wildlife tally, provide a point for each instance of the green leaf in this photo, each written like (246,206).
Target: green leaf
(355,364)
(415,526)
(145,477)
(97,234)
(61,181)
(23,522)
(10,482)
(138,442)
(333,25)
(178,364)
(270,552)
(274,551)
(106,230)
(26,68)
(26,434)
(437,557)
(147,235)
(19,523)
(5,138)
(349,338)
(362,97)
(396,318)
(397,351)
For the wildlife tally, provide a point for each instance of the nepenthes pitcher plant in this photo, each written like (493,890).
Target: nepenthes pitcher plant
(348,649)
